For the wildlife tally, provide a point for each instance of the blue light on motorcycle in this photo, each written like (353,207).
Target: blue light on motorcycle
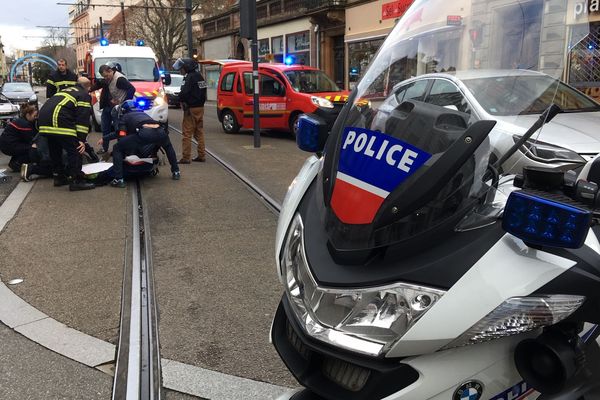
(307,136)
(545,222)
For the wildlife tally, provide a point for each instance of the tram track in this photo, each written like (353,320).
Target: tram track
(138,367)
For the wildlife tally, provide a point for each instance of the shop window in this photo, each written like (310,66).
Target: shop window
(360,55)
(518,42)
(584,66)
(227,82)
(277,48)
(263,49)
(298,47)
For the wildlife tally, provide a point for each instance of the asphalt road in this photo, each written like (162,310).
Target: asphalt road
(213,245)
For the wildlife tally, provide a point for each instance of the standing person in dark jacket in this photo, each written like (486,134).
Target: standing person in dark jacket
(64,120)
(17,138)
(60,79)
(136,131)
(115,90)
(192,97)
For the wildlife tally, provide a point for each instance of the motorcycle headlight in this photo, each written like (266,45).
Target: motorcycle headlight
(548,153)
(519,315)
(364,320)
(321,102)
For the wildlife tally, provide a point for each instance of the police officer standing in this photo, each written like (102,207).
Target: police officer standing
(60,79)
(64,120)
(192,97)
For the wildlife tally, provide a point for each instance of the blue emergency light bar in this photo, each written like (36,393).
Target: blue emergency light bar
(289,60)
(104,42)
(143,103)
(140,42)
(544,222)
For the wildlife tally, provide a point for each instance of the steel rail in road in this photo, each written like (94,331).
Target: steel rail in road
(270,202)
(137,372)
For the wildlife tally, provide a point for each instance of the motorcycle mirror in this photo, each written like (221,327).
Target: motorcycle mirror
(312,133)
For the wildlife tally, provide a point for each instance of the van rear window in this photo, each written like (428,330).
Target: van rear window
(227,82)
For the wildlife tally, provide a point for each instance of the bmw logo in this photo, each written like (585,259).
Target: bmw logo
(471,390)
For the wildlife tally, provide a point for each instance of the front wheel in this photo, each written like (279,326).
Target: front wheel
(229,123)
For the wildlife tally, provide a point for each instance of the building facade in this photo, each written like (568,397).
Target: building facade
(85,20)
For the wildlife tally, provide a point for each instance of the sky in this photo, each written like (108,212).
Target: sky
(19,18)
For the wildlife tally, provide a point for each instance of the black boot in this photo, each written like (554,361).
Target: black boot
(60,180)
(81,185)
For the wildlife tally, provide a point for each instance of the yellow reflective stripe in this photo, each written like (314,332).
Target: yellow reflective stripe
(81,128)
(84,104)
(58,131)
(328,97)
(51,82)
(57,109)
(67,96)
(337,98)
(66,83)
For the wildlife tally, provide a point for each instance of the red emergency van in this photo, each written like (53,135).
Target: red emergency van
(286,92)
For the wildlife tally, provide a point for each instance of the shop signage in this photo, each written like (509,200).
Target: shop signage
(587,6)
(395,9)
(454,20)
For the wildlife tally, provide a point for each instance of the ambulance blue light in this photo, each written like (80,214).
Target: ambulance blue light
(143,104)
(289,60)
(544,222)
(140,42)
(104,42)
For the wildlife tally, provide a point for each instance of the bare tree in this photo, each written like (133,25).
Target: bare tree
(161,24)
(56,38)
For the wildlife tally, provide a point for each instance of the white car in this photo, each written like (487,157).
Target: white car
(515,99)
(8,110)
(172,90)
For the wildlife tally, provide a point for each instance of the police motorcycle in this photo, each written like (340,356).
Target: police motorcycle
(412,267)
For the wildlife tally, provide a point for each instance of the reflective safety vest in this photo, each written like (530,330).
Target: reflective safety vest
(66,113)
(57,82)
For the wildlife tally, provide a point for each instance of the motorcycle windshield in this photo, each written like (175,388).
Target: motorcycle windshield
(412,155)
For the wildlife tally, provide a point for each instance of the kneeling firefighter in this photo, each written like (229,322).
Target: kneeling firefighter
(65,120)
(412,268)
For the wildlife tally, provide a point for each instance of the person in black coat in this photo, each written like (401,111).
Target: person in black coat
(17,138)
(60,79)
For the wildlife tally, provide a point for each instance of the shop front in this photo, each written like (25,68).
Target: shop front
(367,26)
(584,42)
(286,42)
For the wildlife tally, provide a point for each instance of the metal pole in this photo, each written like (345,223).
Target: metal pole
(188,23)
(123,15)
(30,73)
(256,110)
(101,29)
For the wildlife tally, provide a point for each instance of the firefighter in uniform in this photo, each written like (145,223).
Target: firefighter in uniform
(60,79)
(64,120)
